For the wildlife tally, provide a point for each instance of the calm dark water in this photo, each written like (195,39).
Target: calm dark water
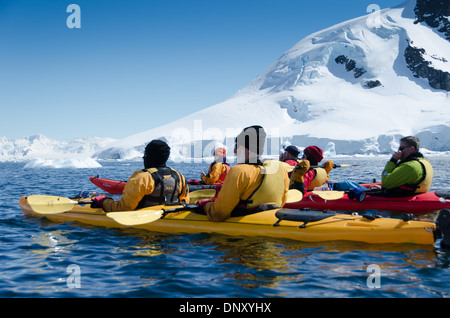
(45,259)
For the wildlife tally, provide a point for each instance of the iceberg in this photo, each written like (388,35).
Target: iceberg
(62,163)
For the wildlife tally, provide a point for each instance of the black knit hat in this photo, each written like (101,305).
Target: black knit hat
(252,138)
(156,154)
(292,150)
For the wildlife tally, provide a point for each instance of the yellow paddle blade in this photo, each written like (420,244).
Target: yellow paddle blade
(195,196)
(287,166)
(294,195)
(48,204)
(329,195)
(131,218)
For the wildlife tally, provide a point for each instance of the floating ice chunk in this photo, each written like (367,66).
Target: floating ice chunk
(63,163)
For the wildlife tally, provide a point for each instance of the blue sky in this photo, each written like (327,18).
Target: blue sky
(135,65)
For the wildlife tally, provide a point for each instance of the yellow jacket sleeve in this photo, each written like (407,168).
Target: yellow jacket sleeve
(239,184)
(140,184)
(328,166)
(215,173)
(300,170)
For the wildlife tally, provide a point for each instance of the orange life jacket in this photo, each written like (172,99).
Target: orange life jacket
(224,174)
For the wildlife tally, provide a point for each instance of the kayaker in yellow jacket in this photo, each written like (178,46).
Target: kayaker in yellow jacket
(407,172)
(218,170)
(156,184)
(307,175)
(251,185)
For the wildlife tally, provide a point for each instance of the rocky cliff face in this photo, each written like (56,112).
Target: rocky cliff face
(436,14)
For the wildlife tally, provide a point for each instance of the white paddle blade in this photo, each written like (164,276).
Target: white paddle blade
(329,195)
(294,195)
(47,204)
(287,166)
(132,218)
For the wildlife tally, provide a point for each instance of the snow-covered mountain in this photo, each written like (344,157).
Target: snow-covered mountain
(354,88)
(358,86)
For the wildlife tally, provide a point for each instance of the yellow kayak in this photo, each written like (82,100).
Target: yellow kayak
(307,226)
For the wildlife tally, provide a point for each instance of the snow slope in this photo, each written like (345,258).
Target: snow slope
(347,86)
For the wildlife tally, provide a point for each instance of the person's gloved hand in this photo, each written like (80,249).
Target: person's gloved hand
(300,170)
(201,203)
(97,202)
(328,166)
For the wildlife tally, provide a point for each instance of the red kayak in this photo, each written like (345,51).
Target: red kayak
(417,204)
(110,186)
(116,187)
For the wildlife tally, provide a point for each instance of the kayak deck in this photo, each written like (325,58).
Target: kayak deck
(265,224)
(116,187)
(417,204)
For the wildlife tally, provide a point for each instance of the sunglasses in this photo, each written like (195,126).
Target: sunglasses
(403,147)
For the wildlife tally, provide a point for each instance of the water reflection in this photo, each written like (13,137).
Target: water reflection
(255,263)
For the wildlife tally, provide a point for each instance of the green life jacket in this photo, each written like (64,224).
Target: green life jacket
(422,186)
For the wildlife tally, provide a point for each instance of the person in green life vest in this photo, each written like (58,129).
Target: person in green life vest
(407,172)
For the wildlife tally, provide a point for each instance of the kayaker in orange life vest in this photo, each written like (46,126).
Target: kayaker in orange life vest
(218,169)
(251,185)
(156,184)
(306,175)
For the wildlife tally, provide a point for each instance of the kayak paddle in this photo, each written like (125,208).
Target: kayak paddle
(336,165)
(290,168)
(344,165)
(294,195)
(329,195)
(132,218)
(49,204)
